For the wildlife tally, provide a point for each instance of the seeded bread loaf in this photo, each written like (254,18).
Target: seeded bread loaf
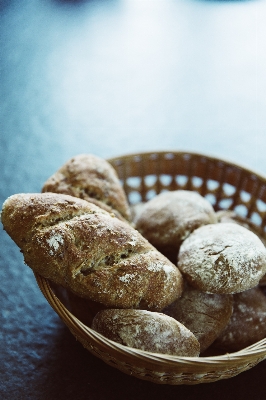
(97,256)
(145,330)
(93,179)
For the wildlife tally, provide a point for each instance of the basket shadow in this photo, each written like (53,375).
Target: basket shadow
(75,373)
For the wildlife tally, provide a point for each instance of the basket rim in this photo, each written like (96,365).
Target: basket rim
(210,157)
(157,363)
(256,350)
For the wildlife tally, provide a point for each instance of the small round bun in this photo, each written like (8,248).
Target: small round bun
(146,330)
(170,217)
(206,315)
(222,258)
(248,322)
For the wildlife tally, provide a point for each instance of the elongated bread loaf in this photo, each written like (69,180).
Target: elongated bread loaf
(93,179)
(145,330)
(97,256)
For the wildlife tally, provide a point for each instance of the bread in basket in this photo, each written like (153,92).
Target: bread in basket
(228,187)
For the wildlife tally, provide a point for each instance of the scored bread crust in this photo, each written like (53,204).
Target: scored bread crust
(91,178)
(223,258)
(97,256)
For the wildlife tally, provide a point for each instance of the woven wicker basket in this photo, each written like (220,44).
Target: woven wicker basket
(227,186)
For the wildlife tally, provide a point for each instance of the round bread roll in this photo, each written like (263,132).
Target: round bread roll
(145,330)
(136,210)
(92,253)
(206,315)
(93,179)
(247,324)
(170,217)
(222,258)
(232,216)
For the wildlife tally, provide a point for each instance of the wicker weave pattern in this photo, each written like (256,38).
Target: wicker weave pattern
(227,186)
(157,368)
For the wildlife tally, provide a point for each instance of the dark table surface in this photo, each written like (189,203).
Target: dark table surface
(111,77)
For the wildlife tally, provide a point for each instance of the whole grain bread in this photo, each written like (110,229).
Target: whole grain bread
(247,324)
(145,330)
(93,179)
(204,314)
(169,218)
(97,256)
(222,258)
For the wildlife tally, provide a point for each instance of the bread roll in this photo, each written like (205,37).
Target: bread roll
(170,217)
(222,258)
(206,315)
(93,179)
(136,210)
(87,250)
(231,216)
(145,330)
(247,324)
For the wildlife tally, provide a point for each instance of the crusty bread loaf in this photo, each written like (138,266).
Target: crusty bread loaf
(89,251)
(248,322)
(145,330)
(93,179)
(204,314)
(222,258)
(168,218)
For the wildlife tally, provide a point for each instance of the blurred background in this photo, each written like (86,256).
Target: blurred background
(120,76)
(113,77)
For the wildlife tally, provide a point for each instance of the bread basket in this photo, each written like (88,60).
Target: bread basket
(227,186)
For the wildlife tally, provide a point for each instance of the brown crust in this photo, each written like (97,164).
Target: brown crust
(170,217)
(91,178)
(145,330)
(204,314)
(247,324)
(222,258)
(89,251)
